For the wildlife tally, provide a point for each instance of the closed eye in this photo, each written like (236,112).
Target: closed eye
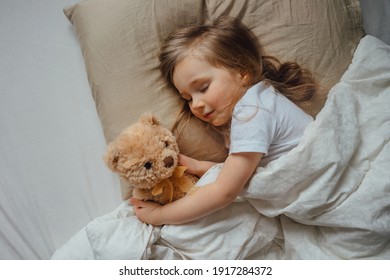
(204,89)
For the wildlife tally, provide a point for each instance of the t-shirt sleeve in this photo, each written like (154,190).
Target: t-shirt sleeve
(252,130)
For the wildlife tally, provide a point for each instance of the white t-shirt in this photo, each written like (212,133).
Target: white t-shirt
(265,121)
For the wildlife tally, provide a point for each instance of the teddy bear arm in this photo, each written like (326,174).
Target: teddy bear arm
(146,195)
(183,185)
(142,194)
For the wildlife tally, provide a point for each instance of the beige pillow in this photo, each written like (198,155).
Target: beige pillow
(120,42)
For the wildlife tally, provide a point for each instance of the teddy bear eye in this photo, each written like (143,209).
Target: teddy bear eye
(148,165)
(166,144)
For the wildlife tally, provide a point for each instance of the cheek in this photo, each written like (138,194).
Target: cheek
(195,112)
(222,119)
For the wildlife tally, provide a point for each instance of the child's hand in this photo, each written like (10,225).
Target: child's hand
(188,162)
(147,212)
(195,167)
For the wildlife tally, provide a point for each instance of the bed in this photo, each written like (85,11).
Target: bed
(53,180)
(73,79)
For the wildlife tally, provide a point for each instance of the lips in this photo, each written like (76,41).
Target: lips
(208,115)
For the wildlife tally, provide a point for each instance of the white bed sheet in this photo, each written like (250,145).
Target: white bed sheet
(52,178)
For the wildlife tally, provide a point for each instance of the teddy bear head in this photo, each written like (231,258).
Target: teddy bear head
(144,154)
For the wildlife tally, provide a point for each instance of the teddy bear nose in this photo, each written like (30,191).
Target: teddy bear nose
(168,162)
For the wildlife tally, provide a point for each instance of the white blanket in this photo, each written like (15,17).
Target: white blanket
(329,198)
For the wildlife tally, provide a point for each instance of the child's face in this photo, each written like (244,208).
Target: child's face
(210,91)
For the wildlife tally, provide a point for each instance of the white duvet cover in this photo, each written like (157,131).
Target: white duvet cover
(329,198)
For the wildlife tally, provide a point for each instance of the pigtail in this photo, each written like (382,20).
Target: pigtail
(290,79)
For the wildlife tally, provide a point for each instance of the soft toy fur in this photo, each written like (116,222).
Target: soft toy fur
(145,154)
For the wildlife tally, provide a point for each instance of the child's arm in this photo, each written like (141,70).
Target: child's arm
(235,173)
(195,167)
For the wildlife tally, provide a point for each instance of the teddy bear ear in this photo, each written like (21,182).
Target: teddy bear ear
(149,118)
(111,158)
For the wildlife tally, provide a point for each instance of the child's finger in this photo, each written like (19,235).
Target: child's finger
(134,201)
(139,203)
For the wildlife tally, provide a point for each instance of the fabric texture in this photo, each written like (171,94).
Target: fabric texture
(265,121)
(328,198)
(52,178)
(120,42)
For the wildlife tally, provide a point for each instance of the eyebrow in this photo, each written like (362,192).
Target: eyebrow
(197,81)
(192,83)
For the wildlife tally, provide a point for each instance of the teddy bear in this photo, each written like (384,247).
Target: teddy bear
(145,154)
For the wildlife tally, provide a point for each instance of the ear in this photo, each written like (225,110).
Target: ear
(244,77)
(150,119)
(111,157)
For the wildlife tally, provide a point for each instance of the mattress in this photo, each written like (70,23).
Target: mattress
(52,177)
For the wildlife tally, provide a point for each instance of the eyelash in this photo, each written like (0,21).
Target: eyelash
(204,89)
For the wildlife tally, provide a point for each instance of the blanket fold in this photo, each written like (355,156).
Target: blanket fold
(328,198)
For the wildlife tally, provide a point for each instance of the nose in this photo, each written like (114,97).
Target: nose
(168,162)
(197,102)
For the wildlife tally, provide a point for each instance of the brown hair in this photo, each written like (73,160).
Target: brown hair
(229,44)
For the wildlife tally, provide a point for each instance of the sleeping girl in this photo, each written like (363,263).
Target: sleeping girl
(227,81)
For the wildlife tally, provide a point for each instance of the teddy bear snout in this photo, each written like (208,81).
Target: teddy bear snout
(168,162)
